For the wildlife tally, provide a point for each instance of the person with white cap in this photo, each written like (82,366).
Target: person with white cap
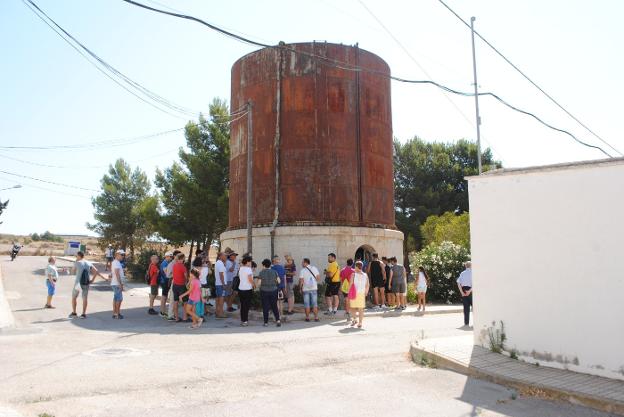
(117,283)
(164,283)
(108,254)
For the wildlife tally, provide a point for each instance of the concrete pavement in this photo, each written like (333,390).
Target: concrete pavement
(144,365)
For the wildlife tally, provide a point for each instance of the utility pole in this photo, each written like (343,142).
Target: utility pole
(476,93)
(249,176)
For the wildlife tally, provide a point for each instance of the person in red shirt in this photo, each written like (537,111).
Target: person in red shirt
(153,273)
(180,274)
(345,274)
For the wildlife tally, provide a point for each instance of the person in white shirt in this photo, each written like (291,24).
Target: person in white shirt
(464,283)
(51,278)
(422,283)
(308,283)
(220,284)
(232,271)
(117,283)
(203,280)
(245,289)
(108,254)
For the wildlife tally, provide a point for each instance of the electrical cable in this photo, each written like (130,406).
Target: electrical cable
(530,80)
(45,189)
(133,84)
(349,67)
(48,182)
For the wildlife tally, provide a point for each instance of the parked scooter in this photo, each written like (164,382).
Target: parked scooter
(14,251)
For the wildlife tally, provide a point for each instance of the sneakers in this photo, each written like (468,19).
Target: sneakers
(73,315)
(231,309)
(334,312)
(83,316)
(152,312)
(48,306)
(327,313)
(171,319)
(267,324)
(244,324)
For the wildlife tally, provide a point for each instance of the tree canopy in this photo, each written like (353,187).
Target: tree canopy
(429,180)
(447,227)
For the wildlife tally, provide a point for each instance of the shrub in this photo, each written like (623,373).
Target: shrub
(35,237)
(443,263)
(412,295)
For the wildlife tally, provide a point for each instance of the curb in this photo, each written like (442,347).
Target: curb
(7,320)
(421,356)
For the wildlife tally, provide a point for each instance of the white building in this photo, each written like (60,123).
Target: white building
(548,261)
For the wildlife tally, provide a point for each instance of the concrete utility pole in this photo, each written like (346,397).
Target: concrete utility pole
(249,176)
(476,93)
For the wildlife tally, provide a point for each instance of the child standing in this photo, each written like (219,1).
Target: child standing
(194,298)
(421,287)
(51,278)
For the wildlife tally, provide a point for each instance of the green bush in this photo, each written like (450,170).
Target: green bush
(412,295)
(447,227)
(35,237)
(443,263)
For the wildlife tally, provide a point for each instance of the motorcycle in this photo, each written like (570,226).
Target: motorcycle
(14,252)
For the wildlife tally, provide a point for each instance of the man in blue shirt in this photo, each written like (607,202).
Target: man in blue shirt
(281,273)
(464,283)
(164,283)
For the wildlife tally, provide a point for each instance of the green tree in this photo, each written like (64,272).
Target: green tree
(429,180)
(193,192)
(124,208)
(3,206)
(447,227)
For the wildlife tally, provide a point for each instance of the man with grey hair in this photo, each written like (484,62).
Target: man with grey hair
(464,283)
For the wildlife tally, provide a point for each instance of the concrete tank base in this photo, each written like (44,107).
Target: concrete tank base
(315,242)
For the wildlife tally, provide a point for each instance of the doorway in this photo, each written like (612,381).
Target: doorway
(364,253)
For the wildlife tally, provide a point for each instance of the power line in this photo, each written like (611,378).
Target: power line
(45,189)
(131,83)
(530,80)
(48,182)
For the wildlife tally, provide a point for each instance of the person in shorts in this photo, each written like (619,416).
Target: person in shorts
(398,284)
(117,281)
(108,254)
(153,272)
(345,276)
(291,270)
(51,278)
(232,272)
(332,274)
(194,297)
(377,275)
(220,284)
(308,283)
(180,294)
(164,283)
(79,288)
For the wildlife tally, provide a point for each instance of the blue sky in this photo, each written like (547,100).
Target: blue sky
(51,95)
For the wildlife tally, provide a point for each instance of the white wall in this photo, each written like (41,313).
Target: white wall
(315,242)
(548,260)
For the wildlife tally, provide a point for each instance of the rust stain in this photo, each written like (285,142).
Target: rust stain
(318,167)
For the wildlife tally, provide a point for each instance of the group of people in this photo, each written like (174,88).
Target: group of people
(188,288)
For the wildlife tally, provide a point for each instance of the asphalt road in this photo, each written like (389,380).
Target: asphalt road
(143,365)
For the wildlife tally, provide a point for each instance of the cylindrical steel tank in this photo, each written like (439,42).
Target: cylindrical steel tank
(322,137)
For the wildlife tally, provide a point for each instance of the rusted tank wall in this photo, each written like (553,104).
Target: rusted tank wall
(333,155)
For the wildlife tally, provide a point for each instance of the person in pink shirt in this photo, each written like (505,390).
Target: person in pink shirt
(345,275)
(194,298)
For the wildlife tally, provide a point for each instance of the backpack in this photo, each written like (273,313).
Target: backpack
(84,276)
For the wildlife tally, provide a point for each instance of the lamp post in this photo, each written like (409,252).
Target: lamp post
(476,94)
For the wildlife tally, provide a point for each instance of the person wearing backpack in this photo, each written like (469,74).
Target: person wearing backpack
(81,285)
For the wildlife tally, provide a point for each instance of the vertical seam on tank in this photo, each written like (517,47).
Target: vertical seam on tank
(358,144)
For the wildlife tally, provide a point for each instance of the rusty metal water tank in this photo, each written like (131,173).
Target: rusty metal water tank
(322,137)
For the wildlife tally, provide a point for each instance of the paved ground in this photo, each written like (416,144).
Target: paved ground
(144,365)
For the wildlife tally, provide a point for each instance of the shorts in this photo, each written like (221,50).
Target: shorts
(219,291)
(154,290)
(289,290)
(422,289)
(399,287)
(117,294)
(51,288)
(378,282)
(164,288)
(332,289)
(178,290)
(191,302)
(109,259)
(310,299)
(83,288)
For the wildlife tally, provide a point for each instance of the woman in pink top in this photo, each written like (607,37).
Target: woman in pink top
(194,294)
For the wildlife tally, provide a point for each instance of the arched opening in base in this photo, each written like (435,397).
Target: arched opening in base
(364,254)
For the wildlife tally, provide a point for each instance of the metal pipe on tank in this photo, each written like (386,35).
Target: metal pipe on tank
(249,177)
(278,102)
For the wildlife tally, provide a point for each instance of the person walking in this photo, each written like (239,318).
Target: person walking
(117,282)
(164,283)
(359,280)
(332,279)
(291,270)
(390,301)
(108,254)
(377,272)
(82,282)
(153,274)
(220,284)
(51,279)
(232,272)
(398,284)
(194,297)
(422,283)
(180,274)
(281,287)
(309,279)
(269,287)
(464,283)
(345,284)
(245,289)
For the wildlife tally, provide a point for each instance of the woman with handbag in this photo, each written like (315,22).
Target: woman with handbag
(357,294)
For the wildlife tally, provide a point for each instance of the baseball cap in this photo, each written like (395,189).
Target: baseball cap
(168,254)
(121,251)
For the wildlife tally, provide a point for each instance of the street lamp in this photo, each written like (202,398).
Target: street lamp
(9,188)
